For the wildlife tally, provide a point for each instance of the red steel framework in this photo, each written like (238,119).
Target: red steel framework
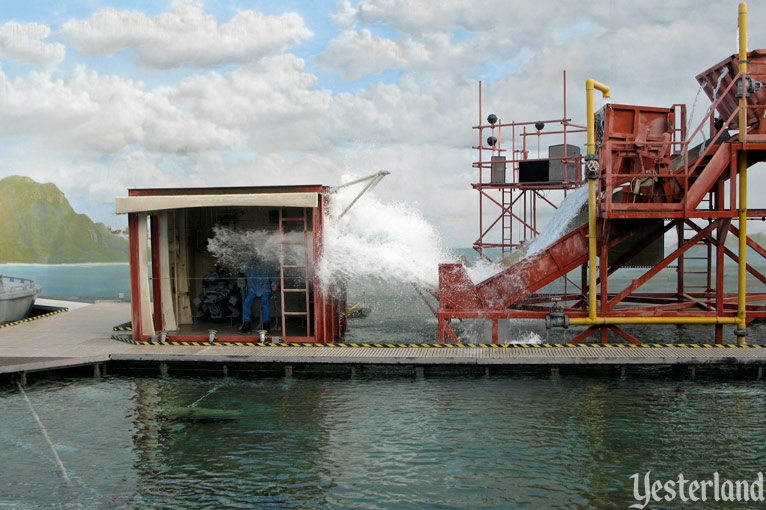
(648,180)
(517,202)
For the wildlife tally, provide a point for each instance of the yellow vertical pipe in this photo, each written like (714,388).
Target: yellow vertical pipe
(590,86)
(742,24)
(592,248)
(742,162)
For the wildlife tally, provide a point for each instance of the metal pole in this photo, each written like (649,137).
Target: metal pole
(374,180)
(481,189)
(742,290)
(64,475)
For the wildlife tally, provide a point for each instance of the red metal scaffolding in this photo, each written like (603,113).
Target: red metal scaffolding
(650,180)
(514,202)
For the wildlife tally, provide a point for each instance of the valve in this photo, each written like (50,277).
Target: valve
(557,318)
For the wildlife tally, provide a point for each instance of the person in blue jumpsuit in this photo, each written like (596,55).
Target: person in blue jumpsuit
(261,282)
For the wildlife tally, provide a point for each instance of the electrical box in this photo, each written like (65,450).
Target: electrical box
(550,170)
(498,170)
(534,171)
(558,170)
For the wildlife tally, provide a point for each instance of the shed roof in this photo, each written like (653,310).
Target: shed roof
(132,204)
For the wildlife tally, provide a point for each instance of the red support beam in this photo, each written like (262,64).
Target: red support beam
(627,336)
(154,222)
(666,262)
(135,289)
(585,334)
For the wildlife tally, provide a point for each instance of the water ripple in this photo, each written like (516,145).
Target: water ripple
(463,442)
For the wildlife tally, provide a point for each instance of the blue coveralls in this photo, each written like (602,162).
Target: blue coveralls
(261,275)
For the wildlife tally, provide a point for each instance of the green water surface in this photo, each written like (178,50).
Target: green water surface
(374,441)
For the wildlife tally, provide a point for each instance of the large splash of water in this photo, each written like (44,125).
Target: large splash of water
(389,243)
(233,248)
(386,242)
(375,241)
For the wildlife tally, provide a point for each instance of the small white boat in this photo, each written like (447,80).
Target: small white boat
(17,295)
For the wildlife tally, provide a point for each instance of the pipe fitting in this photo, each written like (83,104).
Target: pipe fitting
(591,167)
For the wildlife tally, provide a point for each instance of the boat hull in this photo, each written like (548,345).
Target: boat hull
(16,299)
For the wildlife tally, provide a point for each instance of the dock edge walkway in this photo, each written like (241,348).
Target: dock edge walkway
(84,337)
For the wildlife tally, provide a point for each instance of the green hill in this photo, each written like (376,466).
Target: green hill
(37,225)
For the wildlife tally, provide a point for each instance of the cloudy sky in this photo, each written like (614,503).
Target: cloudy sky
(99,96)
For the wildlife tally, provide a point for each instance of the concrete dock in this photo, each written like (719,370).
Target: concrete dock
(80,338)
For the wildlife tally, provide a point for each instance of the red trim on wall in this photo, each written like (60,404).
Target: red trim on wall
(156,280)
(135,289)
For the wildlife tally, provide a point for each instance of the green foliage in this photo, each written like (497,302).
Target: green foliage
(37,225)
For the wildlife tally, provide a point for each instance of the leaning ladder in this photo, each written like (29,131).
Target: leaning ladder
(302,263)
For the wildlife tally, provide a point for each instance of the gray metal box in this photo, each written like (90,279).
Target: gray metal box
(557,167)
(498,170)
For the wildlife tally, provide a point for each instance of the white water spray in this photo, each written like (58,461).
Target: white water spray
(385,242)
(561,221)
(379,242)
(382,242)
(689,123)
(233,248)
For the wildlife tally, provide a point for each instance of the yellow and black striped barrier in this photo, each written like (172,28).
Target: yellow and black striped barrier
(435,346)
(36,317)
(123,327)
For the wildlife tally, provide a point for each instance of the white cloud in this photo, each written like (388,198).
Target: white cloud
(274,101)
(104,114)
(24,42)
(426,41)
(355,54)
(267,120)
(344,16)
(185,36)
(276,104)
(530,22)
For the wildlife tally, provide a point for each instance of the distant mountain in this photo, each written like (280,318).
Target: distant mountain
(37,225)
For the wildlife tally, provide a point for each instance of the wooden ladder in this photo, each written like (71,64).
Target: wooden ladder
(302,264)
